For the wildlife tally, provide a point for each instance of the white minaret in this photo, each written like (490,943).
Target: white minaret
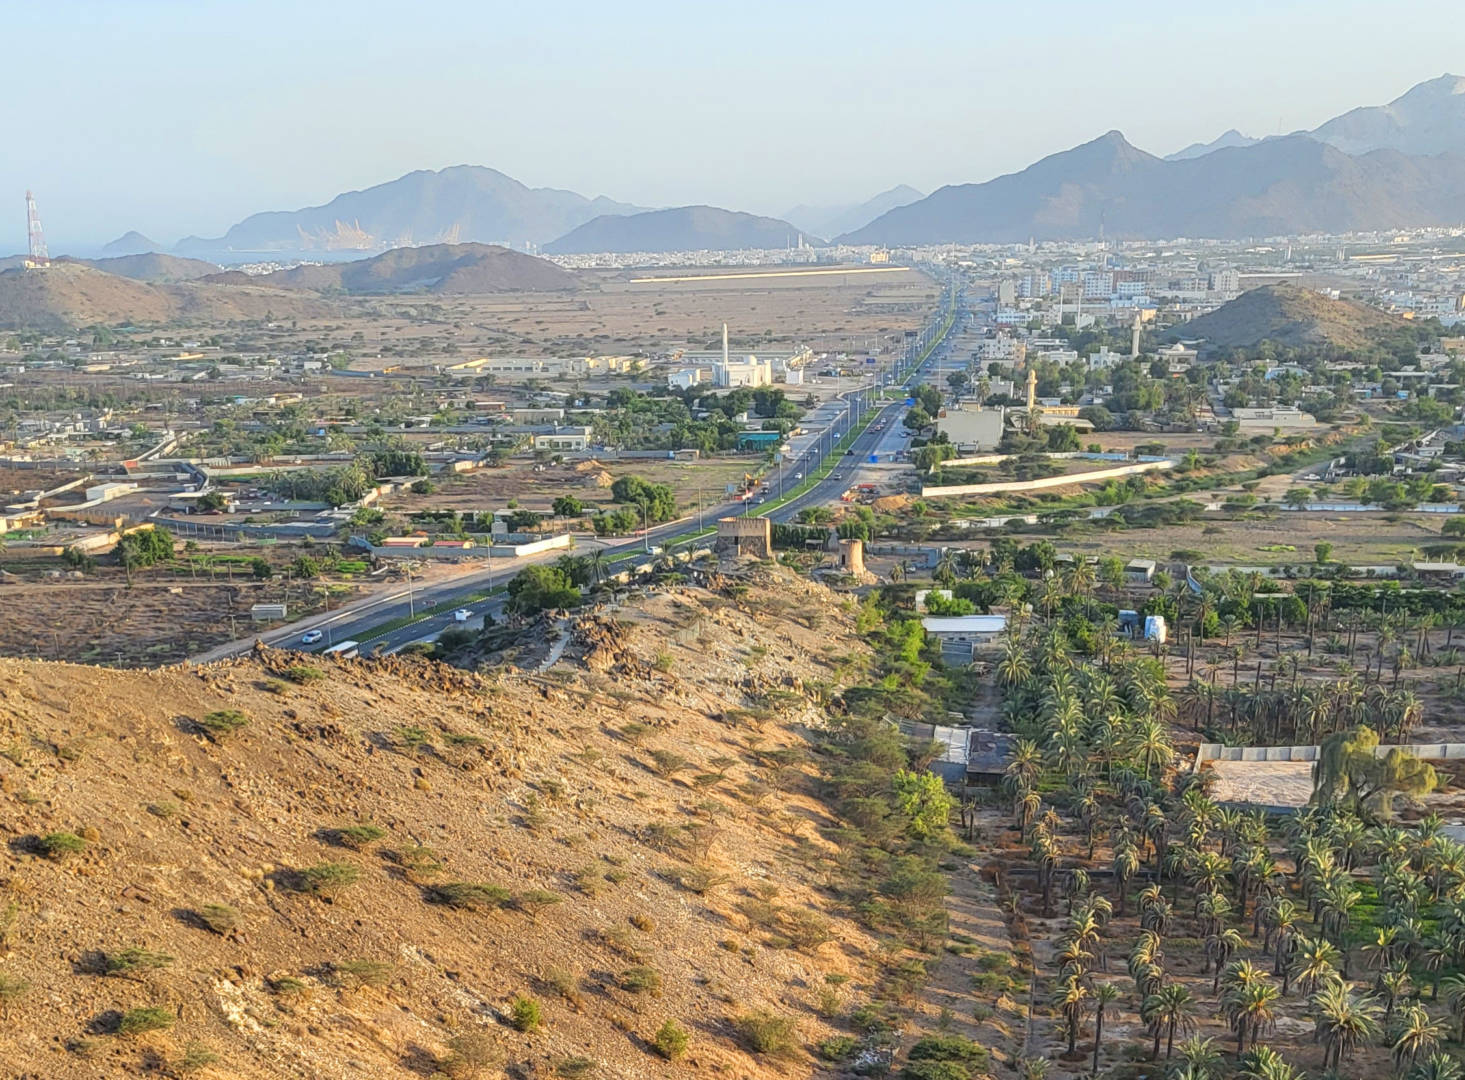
(1134,339)
(724,344)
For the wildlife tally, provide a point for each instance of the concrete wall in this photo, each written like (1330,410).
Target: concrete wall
(1047,481)
(532,547)
(1217,752)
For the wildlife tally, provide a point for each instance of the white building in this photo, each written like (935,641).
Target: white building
(685,378)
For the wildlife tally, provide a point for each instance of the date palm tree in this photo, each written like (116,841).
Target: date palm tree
(1169,1009)
(1105,995)
(1437,1067)
(1418,1036)
(1344,1022)
(1264,1063)
(1250,1008)
(1200,1056)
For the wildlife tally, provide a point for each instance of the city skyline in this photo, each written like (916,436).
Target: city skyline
(148,122)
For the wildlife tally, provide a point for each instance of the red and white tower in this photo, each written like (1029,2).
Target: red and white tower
(37,238)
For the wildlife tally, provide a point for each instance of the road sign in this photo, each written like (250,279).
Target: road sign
(910,401)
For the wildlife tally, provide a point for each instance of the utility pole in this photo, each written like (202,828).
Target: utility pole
(411,607)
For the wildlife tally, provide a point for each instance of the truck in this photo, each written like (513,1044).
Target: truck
(346,650)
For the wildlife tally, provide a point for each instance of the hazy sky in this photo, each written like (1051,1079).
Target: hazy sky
(182,117)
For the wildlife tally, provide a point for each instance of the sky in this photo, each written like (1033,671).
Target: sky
(178,118)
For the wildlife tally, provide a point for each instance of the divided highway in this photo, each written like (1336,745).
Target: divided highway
(362,620)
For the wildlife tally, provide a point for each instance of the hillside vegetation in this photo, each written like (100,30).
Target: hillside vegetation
(295,867)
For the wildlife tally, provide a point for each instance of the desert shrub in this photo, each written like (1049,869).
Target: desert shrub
(667,763)
(133,960)
(533,901)
(698,879)
(220,918)
(162,809)
(304,673)
(196,1057)
(287,986)
(670,1040)
(575,1068)
(61,845)
(838,1048)
(621,940)
(413,739)
(590,880)
(945,1057)
(525,1014)
(564,983)
(469,896)
(145,1019)
(222,722)
(640,980)
(329,880)
(805,929)
(768,1034)
(355,973)
(469,1055)
(829,1003)
(418,861)
(644,923)
(358,836)
(12,989)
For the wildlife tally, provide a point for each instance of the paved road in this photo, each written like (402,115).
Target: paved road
(359,619)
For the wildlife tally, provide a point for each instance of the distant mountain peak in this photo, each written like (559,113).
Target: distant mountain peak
(131,243)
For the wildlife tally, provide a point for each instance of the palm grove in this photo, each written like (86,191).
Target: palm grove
(1335,933)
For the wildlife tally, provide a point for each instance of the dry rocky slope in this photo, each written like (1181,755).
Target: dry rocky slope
(623,866)
(1289,314)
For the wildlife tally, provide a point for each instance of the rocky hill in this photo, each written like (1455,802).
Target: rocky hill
(68,295)
(443,269)
(305,868)
(1275,187)
(465,203)
(153,267)
(1289,315)
(682,228)
(130,243)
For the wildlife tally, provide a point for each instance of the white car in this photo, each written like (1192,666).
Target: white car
(462,615)
(310,637)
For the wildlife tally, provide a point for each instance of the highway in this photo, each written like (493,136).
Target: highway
(362,620)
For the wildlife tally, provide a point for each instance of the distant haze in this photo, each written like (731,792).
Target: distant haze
(175,118)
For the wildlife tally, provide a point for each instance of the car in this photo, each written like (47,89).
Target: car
(310,637)
(462,615)
(847,453)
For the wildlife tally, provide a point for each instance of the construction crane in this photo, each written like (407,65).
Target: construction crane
(39,256)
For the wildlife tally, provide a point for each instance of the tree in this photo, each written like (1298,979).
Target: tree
(1169,1009)
(923,798)
(1344,1022)
(1249,1008)
(1322,551)
(1418,1036)
(541,588)
(1348,773)
(1105,994)
(567,506)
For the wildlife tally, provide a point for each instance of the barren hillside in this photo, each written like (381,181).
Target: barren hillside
(1289,314)
(336,871)
(67,295)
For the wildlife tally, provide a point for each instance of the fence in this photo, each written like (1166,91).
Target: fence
(1218,752)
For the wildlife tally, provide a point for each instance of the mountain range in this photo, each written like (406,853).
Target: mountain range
(1378,167)
(1107,187)
(682,228)
(834,220)
(1429,118)
(465,203)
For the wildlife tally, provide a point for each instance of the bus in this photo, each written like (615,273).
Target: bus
(346,650)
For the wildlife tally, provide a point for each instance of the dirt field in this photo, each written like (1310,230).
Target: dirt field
(493,489)
(165,615)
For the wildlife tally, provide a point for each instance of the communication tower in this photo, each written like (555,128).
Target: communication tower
(39,256)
